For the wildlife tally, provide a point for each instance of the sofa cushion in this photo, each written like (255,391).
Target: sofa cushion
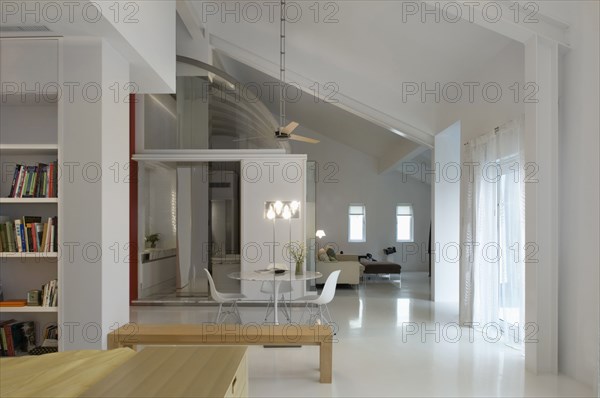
(347,257)
(323,256)
(331,254)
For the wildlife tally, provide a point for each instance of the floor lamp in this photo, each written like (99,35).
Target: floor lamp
(286,210)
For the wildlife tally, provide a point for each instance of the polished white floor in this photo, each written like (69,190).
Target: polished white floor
(392,341)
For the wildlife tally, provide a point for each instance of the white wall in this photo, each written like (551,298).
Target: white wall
(150,30)
(446,232)
(346,176)
(481,116)
(143,32)
(579,203)
(263,180)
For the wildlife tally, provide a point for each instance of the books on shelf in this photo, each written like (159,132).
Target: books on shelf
(29,235)
(13,303)
(50,294)
(40,181)
(16,338)
(49,341)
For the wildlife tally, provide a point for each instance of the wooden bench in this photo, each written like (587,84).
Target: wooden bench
(230,334)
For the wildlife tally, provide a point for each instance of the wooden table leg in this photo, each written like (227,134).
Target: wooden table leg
(113,342)
(326,361)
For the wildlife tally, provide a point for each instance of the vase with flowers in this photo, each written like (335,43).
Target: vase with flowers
(297,253)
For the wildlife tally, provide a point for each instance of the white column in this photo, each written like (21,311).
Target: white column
(94,285)
(541,203)
(115,190)
(446,234)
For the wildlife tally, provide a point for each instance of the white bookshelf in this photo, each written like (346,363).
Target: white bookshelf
(31,132)
(25,201)
(40,255)
(28,149)
(14,310)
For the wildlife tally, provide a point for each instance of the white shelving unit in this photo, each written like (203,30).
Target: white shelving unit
(28,149)
(40,255)
(14,310)
(28,200)
(31,128)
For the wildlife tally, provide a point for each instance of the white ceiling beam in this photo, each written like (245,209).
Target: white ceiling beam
(190,20)
(344,102)
(213,155)
(515,20)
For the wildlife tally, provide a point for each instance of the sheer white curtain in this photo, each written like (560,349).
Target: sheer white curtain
(492,265)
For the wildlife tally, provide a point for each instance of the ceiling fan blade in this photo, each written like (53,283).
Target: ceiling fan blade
(289,128)
(303,139)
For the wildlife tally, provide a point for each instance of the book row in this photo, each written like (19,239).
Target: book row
(49,295)
(18,338)
(29,234)
(35,181)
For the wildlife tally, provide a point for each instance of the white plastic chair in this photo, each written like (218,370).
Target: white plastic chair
(268,287)
(225,298)
(315,304)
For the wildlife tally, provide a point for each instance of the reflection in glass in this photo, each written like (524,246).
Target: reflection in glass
(357,322)
(402,311)
(209,111)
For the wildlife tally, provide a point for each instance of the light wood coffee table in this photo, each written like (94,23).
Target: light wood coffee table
(182,371)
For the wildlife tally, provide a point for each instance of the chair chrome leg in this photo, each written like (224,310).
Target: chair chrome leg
(329,320)
(312,313)
(284,309)
(303,312)
(269,309)
(219,313)
(236,312)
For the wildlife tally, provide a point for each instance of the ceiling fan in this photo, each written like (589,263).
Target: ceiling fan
(284,132)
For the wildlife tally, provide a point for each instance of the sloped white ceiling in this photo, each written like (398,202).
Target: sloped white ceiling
(371,53)
(316,115)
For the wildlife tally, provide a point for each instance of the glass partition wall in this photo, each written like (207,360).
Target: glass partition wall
(209,111)
(194,208)
(311,220)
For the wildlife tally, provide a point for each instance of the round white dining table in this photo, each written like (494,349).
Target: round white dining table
(276,279)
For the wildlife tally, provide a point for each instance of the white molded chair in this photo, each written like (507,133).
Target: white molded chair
(268,287)
(315,304)
(225,298)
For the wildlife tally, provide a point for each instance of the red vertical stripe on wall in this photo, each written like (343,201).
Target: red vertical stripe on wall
(133,206)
